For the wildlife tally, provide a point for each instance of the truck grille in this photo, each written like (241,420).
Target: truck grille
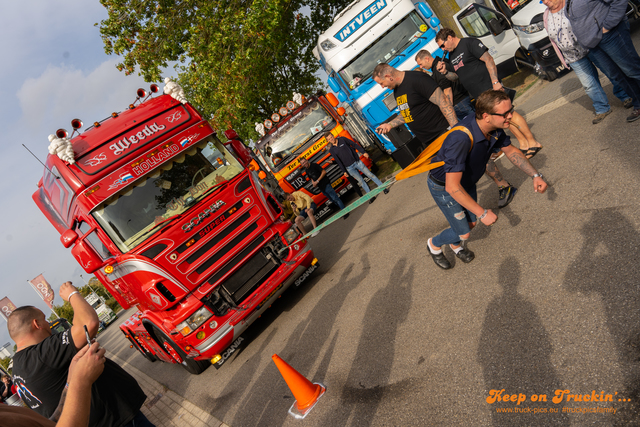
(333,173)
(249,276)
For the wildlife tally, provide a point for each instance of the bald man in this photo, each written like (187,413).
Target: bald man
(41,365)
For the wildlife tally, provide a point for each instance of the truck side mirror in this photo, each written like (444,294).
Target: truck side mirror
(243,152)
(86,257)
(495,26)
(68,238)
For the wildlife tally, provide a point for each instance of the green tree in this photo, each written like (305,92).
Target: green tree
(4,362)
(238,61)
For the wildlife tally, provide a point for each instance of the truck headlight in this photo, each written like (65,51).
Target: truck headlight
(531,28)
(327,45)
(291,235)
(194,321)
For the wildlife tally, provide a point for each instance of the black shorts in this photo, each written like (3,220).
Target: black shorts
(303,213)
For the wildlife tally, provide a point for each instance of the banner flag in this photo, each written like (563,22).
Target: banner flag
(43,289)
(6,307)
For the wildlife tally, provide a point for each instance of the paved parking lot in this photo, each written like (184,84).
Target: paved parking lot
(551,301)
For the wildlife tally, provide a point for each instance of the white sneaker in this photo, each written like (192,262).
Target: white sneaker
(314,234)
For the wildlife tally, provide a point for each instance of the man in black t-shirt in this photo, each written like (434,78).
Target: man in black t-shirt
(423,106)
(319,179)
(470,61)
(41,364)
(452,89)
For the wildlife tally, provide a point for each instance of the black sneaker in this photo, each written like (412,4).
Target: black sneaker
(506,195)
(346,216)
(635,115)
(466,255)
(371,200)
(385,191)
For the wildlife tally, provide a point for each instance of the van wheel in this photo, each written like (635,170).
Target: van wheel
(194,367)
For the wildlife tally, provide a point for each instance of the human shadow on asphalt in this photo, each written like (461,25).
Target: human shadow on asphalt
(368,380)
(302,350)
(608,265)
(515,354)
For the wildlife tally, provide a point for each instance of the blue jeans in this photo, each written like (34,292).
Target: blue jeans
(139,421)
(616,56)
(332,195)
(588,76)
(457,216)
(359,166)
(464,108)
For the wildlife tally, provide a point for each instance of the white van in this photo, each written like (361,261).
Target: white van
(514,33)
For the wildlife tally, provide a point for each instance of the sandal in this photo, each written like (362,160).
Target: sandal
(529,153)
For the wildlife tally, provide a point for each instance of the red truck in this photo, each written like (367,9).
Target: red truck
(175,222)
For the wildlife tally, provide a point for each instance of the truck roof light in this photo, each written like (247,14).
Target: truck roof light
(62,133)
(131,106)
(96,124)
(275,117)
(93,190)
(154,88)
(283,111)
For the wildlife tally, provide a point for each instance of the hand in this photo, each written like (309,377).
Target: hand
(366,155)
(282,218)
(345,175)
(66,289)
(87,365)
(490,218)
(315,183)
(498,86)
(383,128)
(539,186)
(442,68)
(604,30)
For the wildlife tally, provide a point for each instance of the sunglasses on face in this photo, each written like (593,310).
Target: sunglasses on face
(503,115)
(441,46)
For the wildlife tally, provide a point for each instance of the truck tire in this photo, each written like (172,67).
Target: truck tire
(194,367)
(550,75)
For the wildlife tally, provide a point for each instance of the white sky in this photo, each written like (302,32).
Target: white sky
(54,70)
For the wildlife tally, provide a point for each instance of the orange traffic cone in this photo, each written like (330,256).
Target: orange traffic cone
(305,392)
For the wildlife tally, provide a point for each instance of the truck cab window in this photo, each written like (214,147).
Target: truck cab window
(93,239)
(473,23)
(138,211)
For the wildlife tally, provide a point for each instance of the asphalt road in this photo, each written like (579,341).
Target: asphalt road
(551,301)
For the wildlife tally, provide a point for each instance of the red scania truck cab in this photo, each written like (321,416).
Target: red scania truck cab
(173,221)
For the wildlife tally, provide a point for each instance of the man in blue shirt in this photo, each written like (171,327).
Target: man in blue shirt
(453,185)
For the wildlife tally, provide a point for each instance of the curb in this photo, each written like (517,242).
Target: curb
(165,408)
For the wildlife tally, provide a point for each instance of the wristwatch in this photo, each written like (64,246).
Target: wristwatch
(537,175)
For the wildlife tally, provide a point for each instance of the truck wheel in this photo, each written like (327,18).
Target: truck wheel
(550,75)
(194,367)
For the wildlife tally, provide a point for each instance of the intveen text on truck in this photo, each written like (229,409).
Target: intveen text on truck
(173,221)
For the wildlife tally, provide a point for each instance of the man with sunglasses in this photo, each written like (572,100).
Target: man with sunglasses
(470,62)
(465,155)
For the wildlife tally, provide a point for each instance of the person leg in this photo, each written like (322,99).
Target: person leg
(463,108)
(459,227)
(311,213)
(521,131)
(354,173)
(365,170)
(506,191)
(619,93)
(298,221)
(588,76)
(333,196)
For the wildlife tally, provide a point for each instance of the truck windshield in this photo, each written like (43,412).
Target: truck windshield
(293,135)
(387,47)
(142,209)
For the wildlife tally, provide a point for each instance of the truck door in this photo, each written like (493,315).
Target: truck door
(474,21)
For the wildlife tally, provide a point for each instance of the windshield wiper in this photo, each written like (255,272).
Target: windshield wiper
(164,221)
(210,189)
